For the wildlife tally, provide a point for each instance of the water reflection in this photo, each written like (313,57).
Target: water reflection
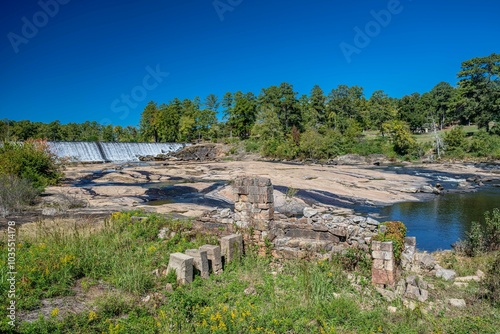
(440,222)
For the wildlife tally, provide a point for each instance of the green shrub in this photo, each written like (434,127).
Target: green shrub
(485,145)
(455,142)
(15,194)
(252,145)
(353,259)
(483,238)
(491,282)
(395,232)
(31,160)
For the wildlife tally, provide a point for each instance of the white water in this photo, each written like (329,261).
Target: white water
(114,152)
(77,151)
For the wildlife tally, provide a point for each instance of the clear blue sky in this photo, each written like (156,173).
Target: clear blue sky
(87,55)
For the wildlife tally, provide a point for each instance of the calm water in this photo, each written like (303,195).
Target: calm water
(440,222)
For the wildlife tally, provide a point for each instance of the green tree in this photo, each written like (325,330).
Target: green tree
(412,111)
(314,115)
(284,101)
(479,88)
(440,107)
(108,133)
(344,103)
(72,132)
(381,110)
(147,127)
(168,121)
(401,137)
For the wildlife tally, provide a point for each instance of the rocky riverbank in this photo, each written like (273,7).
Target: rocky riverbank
(189,188)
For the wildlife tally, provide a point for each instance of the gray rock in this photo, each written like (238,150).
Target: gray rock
(412,280)
(387,294)
(422,284)
(427,262)
(401,287)
(49,211)
(429,190)
(457,302)
(424,295)
(224,213)
(371,221)
(446,274)
(309,212)
(162,234)
(409,190)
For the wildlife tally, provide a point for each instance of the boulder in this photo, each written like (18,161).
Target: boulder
(446,274)
(309,212)
(427,261)
(460,303)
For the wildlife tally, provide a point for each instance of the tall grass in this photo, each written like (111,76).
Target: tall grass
(254,295)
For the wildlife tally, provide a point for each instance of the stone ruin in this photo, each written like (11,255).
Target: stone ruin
(315,234)
(206,259)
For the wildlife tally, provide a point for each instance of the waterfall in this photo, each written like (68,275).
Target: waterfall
(132,151)
(114,152)
(77,151)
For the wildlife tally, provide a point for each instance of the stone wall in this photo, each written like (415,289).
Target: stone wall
(320,233)
(316,233)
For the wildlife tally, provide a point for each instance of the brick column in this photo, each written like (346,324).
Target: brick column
(254,207)
(384,264)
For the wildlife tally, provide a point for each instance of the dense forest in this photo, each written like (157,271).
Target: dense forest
(280,123)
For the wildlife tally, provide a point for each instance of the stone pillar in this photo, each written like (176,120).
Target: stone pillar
(214,258)
(232,247)
(254,209)
(254,202)
(182,264)
(408,253)
(384,264)
(200,261)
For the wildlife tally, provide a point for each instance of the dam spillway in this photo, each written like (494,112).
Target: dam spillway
(110,152)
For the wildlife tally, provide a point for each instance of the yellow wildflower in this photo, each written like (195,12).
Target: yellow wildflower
(92,315)
(54,312)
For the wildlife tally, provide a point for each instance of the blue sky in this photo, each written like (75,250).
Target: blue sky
(104,60)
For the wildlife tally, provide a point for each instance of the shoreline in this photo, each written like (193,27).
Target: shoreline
(189,185)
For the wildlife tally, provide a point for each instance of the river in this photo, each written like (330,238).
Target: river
(443,220)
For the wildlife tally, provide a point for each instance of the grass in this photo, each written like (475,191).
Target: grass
(254,295)
(429,137)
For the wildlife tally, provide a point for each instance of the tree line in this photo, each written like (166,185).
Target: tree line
(284,124)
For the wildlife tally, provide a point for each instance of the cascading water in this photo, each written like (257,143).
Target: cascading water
(112,152)
(77,151)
